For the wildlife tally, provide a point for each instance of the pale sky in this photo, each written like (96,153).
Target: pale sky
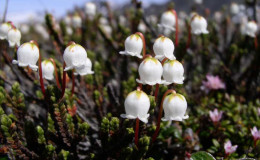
(22,10)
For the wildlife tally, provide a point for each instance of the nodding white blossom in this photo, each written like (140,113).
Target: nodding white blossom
(103,21)
(251,29)
(234,8)
(122,20)
(199,25)
(27,55)
(137,105)
(47,70)
(173,72)
(141,27)
(150,72)
(76,21)
(75,56)
(133,46)
(198,1)
(24,28)
(4,28)
(163,47)
(90,10)
(14,37)
(69,30)
(255,133)
(174,106)
(85,70)
(152,19)
(167,21)
(67,20)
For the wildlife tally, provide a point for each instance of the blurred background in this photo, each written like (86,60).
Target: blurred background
(33,10)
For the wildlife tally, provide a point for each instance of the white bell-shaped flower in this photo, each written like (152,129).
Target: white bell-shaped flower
(251,28)
(76,21)
(75,56)
(163,47)
(199,25)
(150,72)
(137,105)
(167,21)
(234,8)
(173,72)
(67,20)
(27,55)
(141,27)
(90,10)
(198,1)
(85,70)
(174,106)
(4,28)
(133,46)
(14,37)
(47,69)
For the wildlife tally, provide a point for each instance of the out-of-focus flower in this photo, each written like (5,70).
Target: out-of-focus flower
(24,28)
(199,25)
(76,21)
(212,83)
(75,57)
(150,72)
(90,10)
(251,28)
(133,46)
(234,8)
(258,111)
(215,115)
(152,19)
(255,133)
(141,27)
(40,29)
(173,72)
(163,47)
(137,105)
(218,16)
(67,20)
(167,21)
(4,28)
(198,1)
(229,149)
(122,20)
(27,55)
(175,106)
(86,69)
(14,37)
(47,70)
(69,30)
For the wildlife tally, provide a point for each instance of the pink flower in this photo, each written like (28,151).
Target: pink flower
(215,115)
(229,148)
(255,133)
(212,83)
(258,111)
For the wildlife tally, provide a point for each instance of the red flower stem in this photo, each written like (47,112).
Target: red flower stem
(56,73)
(189,37)
(160,114)
(136,131)
(73,83)
(63,82)
(40,73)
(176,26)
(144,44)
(156,92)
(256,42)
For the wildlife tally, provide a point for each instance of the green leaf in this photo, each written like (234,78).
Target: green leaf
(202,155)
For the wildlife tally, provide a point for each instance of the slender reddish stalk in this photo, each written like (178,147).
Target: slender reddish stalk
(56,73)
(156,92)
(189,37)
(40,73)
(160,114)
(136,131)
(144,44)
(176,26)
(256,42)
(73,83)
